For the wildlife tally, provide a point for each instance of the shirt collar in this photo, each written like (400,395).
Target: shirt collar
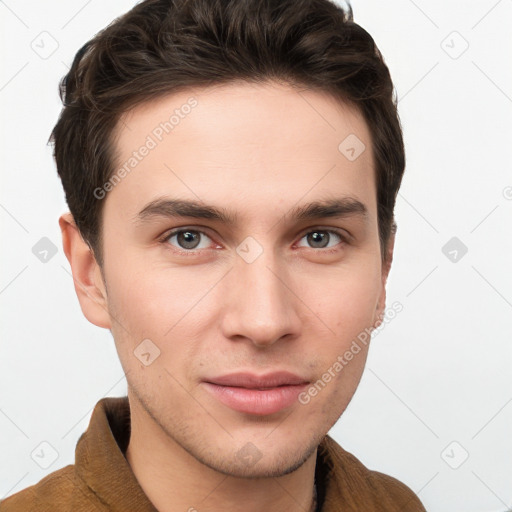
(100,461)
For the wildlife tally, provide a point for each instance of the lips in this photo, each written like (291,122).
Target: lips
(256,394)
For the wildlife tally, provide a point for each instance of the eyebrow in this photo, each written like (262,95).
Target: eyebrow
(329,208)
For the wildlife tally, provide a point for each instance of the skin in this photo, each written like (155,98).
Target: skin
(258,151)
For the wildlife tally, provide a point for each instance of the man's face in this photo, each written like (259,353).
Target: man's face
(266,292)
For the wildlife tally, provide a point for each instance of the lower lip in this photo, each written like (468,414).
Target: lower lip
(256,401)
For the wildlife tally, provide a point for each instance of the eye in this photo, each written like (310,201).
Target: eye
(187,239)
(320,238)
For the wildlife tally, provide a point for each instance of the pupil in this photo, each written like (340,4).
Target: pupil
(317,236)
(186,238)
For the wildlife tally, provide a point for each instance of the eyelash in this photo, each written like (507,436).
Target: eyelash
(165,239)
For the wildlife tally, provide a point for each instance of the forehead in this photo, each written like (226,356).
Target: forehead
(250,144)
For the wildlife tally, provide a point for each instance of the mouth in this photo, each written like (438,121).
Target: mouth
(258,395)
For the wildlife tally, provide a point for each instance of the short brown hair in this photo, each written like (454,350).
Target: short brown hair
(161,47)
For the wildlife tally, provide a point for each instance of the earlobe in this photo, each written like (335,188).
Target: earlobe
(86,272)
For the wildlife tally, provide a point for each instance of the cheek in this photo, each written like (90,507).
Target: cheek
(164,305)
(153,296)
(347,302)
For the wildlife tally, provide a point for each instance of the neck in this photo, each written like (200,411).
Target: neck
(175,481)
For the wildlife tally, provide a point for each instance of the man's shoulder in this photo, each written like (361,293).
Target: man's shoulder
(60,491)
(394,491)
(352,482)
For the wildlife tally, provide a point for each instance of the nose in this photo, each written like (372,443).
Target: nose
(260,304)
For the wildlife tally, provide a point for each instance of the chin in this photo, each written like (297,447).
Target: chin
(262,459)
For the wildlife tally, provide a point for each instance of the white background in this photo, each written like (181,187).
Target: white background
(439,373)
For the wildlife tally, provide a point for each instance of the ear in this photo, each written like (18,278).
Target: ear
(386,266)
(87,278)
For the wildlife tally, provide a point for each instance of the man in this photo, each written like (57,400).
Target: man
(231,169)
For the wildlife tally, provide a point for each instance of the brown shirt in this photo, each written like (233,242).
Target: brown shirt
(101,478)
